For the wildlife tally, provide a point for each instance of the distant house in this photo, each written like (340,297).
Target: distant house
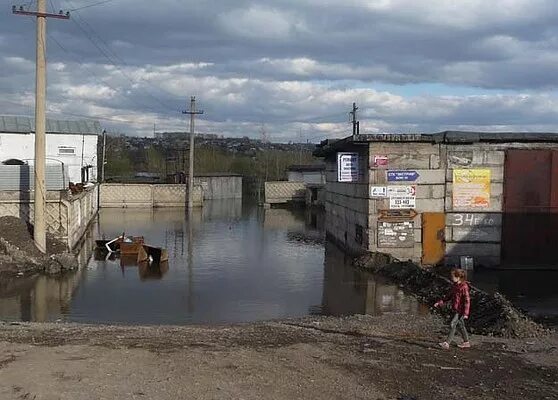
(71,144)
(310,174)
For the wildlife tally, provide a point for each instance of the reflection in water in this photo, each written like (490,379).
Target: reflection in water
(351,291)
(44,298)
(228,262)
(152,270)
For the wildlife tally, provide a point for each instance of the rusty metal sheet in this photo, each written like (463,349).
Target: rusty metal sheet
(530,225)
(527,180)
(554,183)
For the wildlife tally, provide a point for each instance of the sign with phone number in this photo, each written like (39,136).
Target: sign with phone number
(396,203)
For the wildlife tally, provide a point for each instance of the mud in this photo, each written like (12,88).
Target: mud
(19,255)
(361,357)
(490,314)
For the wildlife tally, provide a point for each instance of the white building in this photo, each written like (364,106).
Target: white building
(309,174)
(72,144)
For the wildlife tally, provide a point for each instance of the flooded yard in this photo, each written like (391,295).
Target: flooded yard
(233,262)
(229,263)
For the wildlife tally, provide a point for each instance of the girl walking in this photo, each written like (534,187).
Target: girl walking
(461,303)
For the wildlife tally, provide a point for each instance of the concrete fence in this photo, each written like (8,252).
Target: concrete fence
(283,192)
(67,216)
(124,195)
(218,187)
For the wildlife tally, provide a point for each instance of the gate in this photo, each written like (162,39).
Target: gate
(530,220)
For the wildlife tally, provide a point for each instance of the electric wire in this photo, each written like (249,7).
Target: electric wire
(113,55)
(91,5)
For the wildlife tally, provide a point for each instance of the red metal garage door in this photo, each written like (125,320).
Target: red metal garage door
(530,224)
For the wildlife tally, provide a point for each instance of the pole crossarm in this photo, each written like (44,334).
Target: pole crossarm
(21,11)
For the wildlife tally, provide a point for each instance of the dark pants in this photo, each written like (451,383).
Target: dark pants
(458,322)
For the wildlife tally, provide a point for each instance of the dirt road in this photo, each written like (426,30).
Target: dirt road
(361,357)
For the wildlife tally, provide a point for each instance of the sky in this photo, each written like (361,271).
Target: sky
(290,69)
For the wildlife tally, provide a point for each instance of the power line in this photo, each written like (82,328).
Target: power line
(114,55)
(99,79)
(91,117)
(92,5)
(114,64)
(109,57)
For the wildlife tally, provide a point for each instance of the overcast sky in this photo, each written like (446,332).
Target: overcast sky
(292,68)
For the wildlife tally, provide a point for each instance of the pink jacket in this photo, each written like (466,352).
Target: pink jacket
(460,298)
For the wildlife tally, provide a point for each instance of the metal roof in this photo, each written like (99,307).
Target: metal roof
(17,124)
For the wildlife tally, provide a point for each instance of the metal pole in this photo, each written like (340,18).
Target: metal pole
(40,132)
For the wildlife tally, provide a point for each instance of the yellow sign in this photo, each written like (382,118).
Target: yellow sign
(471,188)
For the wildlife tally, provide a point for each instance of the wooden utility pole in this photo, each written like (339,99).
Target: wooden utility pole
(39,222)
(192,113)
(104,161)
(300,145)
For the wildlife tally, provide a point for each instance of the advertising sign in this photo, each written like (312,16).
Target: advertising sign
(396,234)
(402,176)
(397,215)
(402,191)
(471,188)
(397,203)
(347,167)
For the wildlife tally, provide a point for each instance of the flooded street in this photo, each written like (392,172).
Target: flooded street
(233,263)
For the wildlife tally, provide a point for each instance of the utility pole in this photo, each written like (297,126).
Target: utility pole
(104,161)
(39,222)
(192,113)
(300,145)
(356,124)
(265,139)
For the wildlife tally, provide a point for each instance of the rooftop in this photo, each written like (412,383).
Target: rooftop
(307,167)
(215,174)
(17,124)
(446,137)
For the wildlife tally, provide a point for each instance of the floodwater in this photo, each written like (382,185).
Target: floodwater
(533,291)
(228,263)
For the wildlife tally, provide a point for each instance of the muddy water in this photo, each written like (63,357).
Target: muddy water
(228,263)
(534,291)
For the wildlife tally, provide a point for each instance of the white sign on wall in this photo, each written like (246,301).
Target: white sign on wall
(347,167)
(402,191)
(378,191)
(398,203)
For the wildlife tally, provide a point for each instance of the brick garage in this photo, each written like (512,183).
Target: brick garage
(519,172)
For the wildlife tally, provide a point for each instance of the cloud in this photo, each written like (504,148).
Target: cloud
(294,64)
(259,22)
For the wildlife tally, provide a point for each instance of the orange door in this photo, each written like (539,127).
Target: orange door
(433,238)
